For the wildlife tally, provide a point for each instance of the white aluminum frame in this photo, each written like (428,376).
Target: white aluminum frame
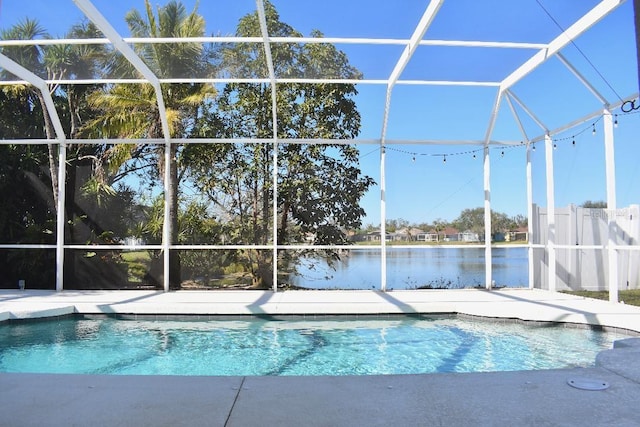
(504,90)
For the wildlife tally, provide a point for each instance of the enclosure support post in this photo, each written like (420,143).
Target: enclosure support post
(60,222)
(383,225)
(487,219)
(610,167)
(274,209)
(551,214)
(529,217)
(167,225)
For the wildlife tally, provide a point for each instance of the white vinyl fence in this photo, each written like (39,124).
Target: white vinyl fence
(581,245)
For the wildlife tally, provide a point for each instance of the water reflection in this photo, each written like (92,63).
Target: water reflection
(413,268)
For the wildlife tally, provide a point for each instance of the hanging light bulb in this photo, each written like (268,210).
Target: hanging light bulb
(533,147)
(502,153)
(474,156)
(414,158)
(555,145)
(444,159)
(615,121)
(573,142)
(593,132)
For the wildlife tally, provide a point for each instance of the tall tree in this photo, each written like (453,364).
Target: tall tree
(32,58)
(599,204)
(319,185)
(27,216)
(131,111)
(473,220)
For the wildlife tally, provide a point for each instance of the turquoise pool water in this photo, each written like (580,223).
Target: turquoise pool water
(403,345)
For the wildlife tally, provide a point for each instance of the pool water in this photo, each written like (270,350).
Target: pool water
(252,346)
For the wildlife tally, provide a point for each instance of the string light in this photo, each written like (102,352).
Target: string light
(531,145)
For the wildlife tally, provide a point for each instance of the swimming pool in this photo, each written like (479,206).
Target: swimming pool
(253,346)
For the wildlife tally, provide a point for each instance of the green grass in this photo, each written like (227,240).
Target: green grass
(136,256)
(631,296)
(138,262)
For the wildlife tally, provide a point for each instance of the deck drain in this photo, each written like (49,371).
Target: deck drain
(588,384)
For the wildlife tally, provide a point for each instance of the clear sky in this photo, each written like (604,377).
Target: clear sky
(428,188)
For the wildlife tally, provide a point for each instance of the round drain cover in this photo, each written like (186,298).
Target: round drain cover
(588,384)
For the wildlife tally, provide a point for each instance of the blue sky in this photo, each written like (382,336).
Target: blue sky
(428,188)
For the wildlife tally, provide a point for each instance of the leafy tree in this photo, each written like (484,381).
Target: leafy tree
(519,221)
(26,216)
(319,186)
(473,220)
(131,111)
(470,220)
(439,225)
(594,204)
(32,58)
(393,225)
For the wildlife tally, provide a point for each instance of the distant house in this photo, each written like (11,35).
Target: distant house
(400,235)
(374,236)
(430,236)
(468,236)
(407,234)
(450,234)
(519,234)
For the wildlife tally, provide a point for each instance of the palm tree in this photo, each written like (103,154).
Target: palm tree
(32,58)
(131,111)
(77,62)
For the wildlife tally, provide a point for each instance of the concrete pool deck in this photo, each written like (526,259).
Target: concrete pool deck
(523,398)
(523,304)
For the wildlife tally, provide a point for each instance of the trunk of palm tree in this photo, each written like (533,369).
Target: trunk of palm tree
(172,195)
(53,157)
(73,102)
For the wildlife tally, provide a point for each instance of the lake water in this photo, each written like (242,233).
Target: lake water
(417,267)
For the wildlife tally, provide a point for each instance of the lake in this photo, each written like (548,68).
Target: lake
(410,268)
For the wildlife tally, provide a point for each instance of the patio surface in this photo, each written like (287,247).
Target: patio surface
(524,304)
(524,398)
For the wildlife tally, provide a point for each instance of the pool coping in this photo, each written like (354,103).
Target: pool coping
(526,305)
(321,317)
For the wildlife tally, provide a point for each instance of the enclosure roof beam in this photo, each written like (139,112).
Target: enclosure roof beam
(582,79)
(17,69)
(494,117)
(308,40)
(579,27)
(516,116)
(407,53)
(527,110)
(588,117)
(262,80)
(306,141)
(269,59)
(118,42)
